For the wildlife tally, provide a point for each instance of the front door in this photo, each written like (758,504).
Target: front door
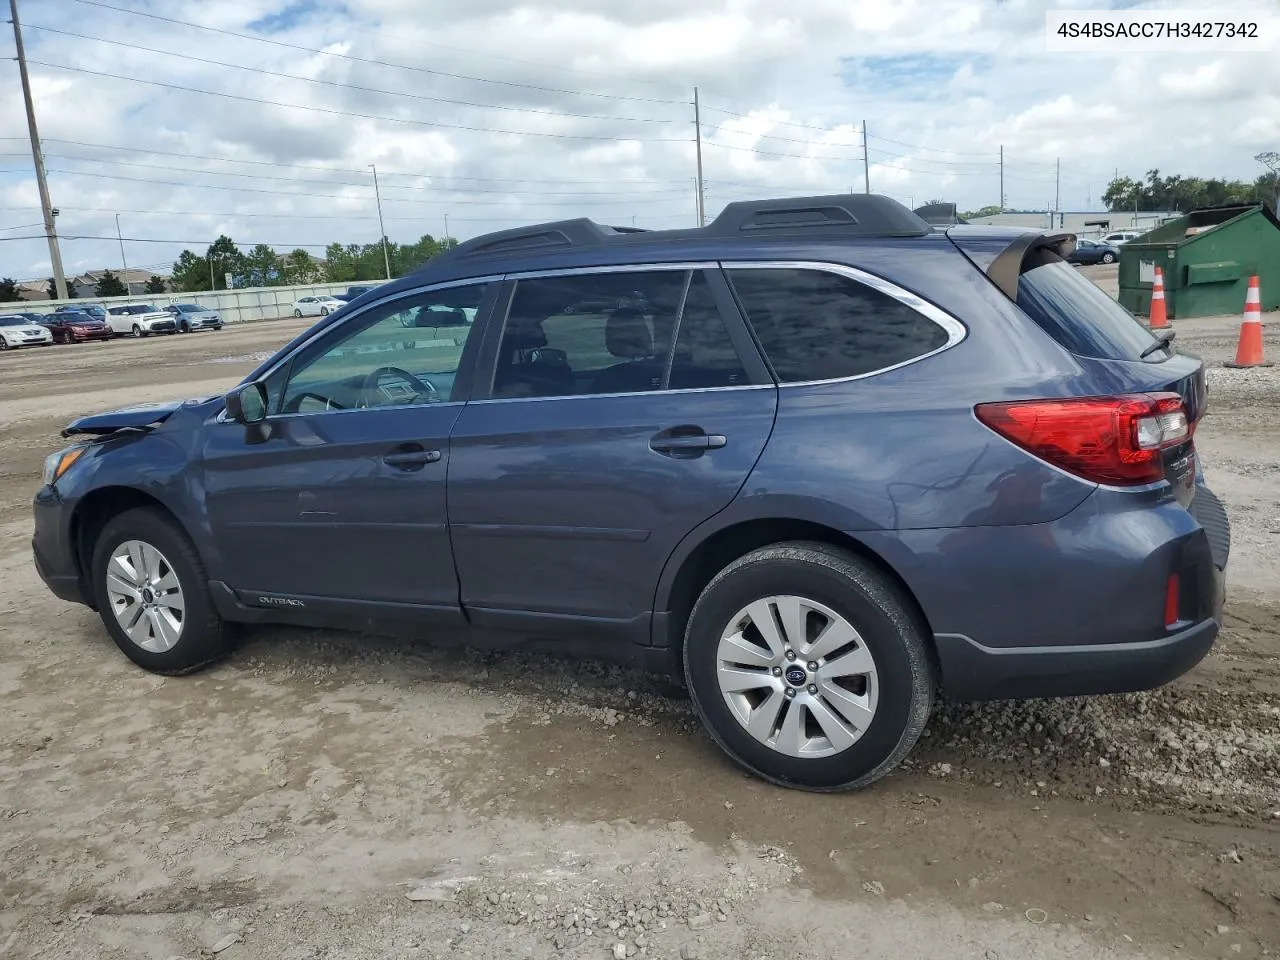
(624,411)
(344,499)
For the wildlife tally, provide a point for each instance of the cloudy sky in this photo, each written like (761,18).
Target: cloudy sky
(260,118)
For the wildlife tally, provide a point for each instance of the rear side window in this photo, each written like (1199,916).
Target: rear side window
(1078,314)
(816,325)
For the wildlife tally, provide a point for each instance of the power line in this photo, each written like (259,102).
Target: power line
(479,53)
(336,196)
(365,184)
(347,86)
(349,113)
(296,166)
(380,63)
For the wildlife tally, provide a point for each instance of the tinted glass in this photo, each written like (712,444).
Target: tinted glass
(816,325)
(704,355)
(588,334)
(14,322)
(1076,312)
(404,352)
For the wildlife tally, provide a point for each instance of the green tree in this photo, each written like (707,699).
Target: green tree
(9,290)
(51,289)
(260,267)
(110,286)
(988,211)
(190,273)
(226,258)
(300,267)
(155,284)
(340,262)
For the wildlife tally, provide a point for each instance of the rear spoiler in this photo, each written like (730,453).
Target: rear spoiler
(1003,265)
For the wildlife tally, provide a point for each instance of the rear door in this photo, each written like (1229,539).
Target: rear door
(620,409)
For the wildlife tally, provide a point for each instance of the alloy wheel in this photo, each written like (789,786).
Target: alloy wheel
(797,676)
(146,596)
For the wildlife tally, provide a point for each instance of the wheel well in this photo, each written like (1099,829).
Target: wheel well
(93,513)
(723,547)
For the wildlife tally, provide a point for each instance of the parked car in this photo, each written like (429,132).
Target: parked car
(71,326)
(140,320)
(17,330)
(1117,237)
(352,293)
(95,310)
(320,305)
(1091,251)
(822,474)
(192,316)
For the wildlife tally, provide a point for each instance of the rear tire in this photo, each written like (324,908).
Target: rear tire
(1108,258)
(175,577)
(857,714)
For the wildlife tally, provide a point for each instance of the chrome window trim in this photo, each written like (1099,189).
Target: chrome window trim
(955,330)
(630,393)
(683,265)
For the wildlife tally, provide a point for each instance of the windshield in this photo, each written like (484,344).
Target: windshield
(14,322)
(189,307)
(1078,314)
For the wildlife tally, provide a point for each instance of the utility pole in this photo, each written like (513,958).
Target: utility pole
(697,139)
(866,163)
(1002,178)
(213,284)
(386,258)
(446,226)
(123,262)
(46,205)
(1057,187)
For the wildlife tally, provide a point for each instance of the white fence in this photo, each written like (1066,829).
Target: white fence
(235,306)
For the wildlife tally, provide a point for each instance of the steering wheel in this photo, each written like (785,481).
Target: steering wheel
(419,385)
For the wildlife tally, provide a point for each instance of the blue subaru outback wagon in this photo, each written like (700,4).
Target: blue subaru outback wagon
(821,460)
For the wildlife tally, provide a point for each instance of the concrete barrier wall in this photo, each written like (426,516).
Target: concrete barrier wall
(235,306)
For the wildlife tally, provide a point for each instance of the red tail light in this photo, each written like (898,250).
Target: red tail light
(1114,440)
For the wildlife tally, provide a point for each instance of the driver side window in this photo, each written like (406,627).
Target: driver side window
(403,352)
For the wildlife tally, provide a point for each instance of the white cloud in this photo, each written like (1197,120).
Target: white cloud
(592,98)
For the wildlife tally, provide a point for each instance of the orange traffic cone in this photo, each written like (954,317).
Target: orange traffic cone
(1159,318)
(1249,349)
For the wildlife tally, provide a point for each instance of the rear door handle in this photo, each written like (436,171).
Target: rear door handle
(410,458)
(685,442)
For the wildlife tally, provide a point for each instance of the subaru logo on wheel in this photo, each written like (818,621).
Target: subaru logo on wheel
(796,676)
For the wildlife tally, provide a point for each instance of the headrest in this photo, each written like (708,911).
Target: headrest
(523,333)
(627,334)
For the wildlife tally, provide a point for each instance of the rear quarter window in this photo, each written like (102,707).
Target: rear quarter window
(1078,314)
(817,325)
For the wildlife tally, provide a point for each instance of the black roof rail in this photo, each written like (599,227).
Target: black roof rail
(863,215)
(564,233)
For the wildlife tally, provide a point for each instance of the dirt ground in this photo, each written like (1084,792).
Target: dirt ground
(331,795)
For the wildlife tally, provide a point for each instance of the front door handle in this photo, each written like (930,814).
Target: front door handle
(410,457)
(685,442)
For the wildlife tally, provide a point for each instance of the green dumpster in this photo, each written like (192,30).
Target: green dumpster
(1207,257)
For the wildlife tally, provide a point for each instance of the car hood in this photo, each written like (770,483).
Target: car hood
(139,417)
(25,328)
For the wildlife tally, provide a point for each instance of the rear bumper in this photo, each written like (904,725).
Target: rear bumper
(974,672)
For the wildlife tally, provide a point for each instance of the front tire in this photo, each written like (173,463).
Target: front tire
(137,332)
(152,594)
(324,311)
(297,314)
(810,609)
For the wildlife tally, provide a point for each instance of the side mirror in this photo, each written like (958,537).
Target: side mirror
(247,403)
